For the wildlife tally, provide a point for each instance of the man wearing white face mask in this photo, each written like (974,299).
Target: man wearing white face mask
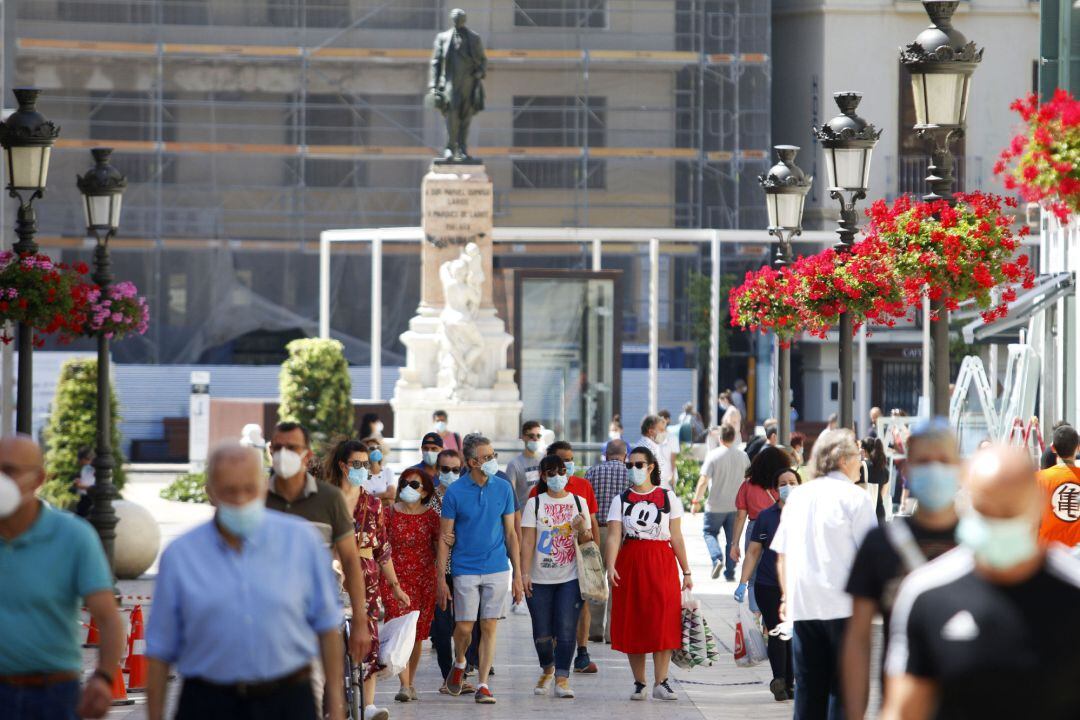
(241,606)
(48,561)
(654,438)
(892,551)
(985,630)
(295,492)
(450,439)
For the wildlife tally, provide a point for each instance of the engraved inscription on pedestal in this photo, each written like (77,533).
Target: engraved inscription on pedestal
(456,213)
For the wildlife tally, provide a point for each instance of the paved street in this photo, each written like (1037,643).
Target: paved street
(720,692)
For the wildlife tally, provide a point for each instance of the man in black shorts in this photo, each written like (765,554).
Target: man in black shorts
(984,631)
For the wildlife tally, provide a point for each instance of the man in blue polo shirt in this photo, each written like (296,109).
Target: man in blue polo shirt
(479,511)
(49,560)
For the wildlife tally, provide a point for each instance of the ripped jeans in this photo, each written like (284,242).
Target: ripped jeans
(555,610)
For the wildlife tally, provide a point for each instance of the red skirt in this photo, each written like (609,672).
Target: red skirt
(646,606)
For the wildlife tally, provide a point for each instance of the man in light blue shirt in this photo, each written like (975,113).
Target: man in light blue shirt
(242,605)
(478,510)
(49,560)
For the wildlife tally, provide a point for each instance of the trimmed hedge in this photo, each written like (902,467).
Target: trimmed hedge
(316,390)
(72,425)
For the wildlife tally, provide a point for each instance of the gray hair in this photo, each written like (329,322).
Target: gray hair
(616,450)
(232,453)
(831,448)
(470,443)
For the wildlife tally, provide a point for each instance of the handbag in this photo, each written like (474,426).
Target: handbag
(396,640)
(699,646)
(592,578)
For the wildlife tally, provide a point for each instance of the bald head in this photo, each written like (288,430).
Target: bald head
(1001,483)
(234,474)
(22,461)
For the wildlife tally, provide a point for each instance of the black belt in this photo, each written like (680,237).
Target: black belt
(261,688)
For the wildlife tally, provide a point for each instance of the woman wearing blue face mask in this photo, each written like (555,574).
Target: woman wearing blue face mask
(549,522)
(348,467)
(767,585)
(412,528)
(381,478)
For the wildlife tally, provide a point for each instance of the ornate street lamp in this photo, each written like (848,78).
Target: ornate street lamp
(849,142)
(102,189)
(27,138)
(941,62)
(785,186)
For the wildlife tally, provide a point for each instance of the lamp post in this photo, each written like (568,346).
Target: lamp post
(785,187)
(849,143)
(102,189)
(27,138)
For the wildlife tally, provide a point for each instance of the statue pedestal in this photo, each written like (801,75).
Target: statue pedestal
(457,211)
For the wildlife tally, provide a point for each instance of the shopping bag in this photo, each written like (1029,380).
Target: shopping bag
(396,640)
(699,646)
(590,569)
(750,647)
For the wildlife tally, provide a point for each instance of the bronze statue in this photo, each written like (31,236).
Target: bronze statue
(458,64)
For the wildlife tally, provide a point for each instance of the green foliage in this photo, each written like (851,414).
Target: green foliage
(689,469)
(699,293)
(73,425)
(189,488)
(316,390)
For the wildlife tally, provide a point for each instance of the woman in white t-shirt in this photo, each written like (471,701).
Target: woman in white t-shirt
(644,552)
(381,481)
(549,522)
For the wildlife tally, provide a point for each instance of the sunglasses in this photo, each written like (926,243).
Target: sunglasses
(414,484)
(450,470)
(357,464)
(640,465)
(554,473)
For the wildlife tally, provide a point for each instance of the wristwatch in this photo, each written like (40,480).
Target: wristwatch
(99,673)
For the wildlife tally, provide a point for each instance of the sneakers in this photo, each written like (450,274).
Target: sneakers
(455,681)
(663,691)
(584,664)
(413,695)
(563,689)
(717,568)
(403,696)
(466,687)
(543,684)
(376,713)
(484,696)
(778,688)
(639,691)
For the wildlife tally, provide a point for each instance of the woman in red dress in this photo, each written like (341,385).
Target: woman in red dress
(413,530)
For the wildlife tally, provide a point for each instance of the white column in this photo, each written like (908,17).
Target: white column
(597,255)
(654,325)
(926,388)
(324,286)
(862,387)
(714,329)
(376,317)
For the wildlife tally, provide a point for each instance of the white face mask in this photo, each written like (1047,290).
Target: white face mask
(286,463)
(440,427)
(10,496)
(378,428)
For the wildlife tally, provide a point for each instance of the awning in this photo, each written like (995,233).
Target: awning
(1048,289)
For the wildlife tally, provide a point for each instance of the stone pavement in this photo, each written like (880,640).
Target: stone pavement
(717,693)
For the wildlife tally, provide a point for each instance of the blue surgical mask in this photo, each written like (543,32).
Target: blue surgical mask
(490,467)
(242,520)
(440,427)
(639,476)
(933,484)
(784,491)
(358,476)
(558,483)
(409,494)
(430,457)
(569,467)
(448,478)
(998,543)
(532,446)
(375,455)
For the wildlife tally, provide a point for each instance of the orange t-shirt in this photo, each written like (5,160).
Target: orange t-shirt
(1061,514)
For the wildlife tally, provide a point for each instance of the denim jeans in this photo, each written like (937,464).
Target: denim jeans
(53,702)
(714,523)
(555,610)
(750,594)
(816,652)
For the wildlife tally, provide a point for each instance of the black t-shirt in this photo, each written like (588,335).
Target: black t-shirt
(994,651)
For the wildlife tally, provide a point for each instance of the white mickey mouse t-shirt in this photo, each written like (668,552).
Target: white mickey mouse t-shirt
(642,514)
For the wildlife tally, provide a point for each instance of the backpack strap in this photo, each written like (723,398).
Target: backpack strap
(536,510)
(903,542)
(577,503)
(666,507)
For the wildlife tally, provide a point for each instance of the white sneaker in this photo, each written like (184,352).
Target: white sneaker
(639,692)
(563,689)
(543,684)
(519,609)
(376,713)
(663,691)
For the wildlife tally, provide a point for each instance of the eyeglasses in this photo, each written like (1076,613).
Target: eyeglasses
(357,464)
(414,484)
(449,470)
(492,456)
(554,473)
(640,465)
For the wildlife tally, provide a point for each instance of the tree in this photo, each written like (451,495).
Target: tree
(316,390)
(72,425)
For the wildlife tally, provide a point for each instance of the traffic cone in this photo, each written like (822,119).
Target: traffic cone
(135,666)
(92,637)
(119,694)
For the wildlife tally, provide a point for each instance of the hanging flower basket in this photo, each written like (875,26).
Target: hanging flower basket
(119,312)
(49,297)
(1042,162)
(956,253)
(765,303)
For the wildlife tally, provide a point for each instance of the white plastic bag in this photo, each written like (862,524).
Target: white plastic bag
(750,647)
(396,640)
